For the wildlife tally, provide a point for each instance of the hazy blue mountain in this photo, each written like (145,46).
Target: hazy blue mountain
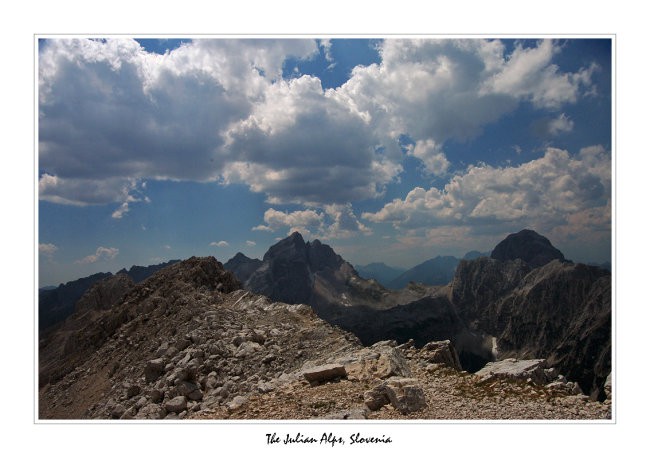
(437,271)
(474,254)
(379,271)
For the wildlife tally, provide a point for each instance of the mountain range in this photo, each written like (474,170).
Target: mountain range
(435,271)
(195,320)
(55,304)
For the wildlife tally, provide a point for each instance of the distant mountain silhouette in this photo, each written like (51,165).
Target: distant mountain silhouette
(437,271)
(474,254)
(379,271)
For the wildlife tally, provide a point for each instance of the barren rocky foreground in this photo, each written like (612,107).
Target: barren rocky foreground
(189,344)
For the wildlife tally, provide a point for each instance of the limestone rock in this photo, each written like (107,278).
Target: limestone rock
(118,411)
(154,369)
(608,386)
(404,394)
(324,373)
(379,361)
(151,412)
(237,403)
(176,405)
(515,369)
(441,352)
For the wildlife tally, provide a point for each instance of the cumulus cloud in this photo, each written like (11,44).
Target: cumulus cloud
(110,110)
(555,191)
(345,222)
(433,158)
(101,254)
(250,243)
(336,221)
(220,244)
(529,73)
(303,221)
(47,249)
(112,114)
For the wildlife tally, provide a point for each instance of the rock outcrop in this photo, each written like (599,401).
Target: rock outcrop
(560,311)
(106,293)
(188,343)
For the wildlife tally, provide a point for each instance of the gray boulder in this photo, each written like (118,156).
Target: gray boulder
(176,405)
(441,352)
(405,394)
(154,369)
(324,373)
(515,369)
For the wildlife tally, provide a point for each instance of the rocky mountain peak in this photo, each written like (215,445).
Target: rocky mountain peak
(293,246)
(242,266)
(322,256)
(529,246)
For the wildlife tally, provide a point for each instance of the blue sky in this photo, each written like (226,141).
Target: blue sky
(389,150)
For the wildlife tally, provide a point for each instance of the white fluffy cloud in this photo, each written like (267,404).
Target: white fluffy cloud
(336,221)
(47,249)
(112,114)
(303,221)
(109,111)
(101,254)
(556,192)
(433,158)
(250,243)
(220,244)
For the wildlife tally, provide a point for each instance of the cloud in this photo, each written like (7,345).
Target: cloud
(433,158)
(112,115)
(560,125)
(529,74)
(101,254)
(220,244)
(303,221)
(47,249)
(547,193)
(302,145)
(110,110)
(345,223)
(335,221)
(250,243)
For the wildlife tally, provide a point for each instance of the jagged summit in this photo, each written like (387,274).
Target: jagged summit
(527,245)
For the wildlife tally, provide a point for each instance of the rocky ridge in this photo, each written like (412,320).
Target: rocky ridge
(188,343)
(57,304)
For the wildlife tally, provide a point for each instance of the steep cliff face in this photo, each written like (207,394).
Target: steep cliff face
(284,274)
(560,311)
